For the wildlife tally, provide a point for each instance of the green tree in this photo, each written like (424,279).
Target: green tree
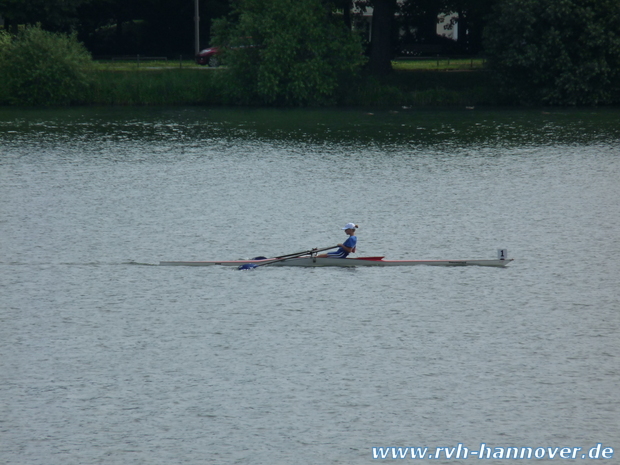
(557,52)
(286,52)
(44,68)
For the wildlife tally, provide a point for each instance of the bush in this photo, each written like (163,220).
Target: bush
(44,68)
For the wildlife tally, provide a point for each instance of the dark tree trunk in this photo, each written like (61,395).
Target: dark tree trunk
(347,14)
(381,51)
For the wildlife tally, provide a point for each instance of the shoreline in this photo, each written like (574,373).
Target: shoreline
(199,86)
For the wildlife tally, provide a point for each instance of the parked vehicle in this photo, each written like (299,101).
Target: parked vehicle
(209,56)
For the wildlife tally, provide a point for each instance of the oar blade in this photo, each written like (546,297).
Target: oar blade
(248,266)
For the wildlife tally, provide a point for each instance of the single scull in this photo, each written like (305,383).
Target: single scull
(363,261)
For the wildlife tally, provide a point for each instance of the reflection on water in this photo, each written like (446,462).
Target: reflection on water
(485,128)
(106,361)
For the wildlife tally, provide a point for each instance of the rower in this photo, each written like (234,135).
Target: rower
(348,246)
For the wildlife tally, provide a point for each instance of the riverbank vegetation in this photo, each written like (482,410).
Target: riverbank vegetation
(289,53)
(58,72)
(191,86)
(42,68)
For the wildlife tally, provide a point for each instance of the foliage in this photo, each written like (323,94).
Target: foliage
(5,41)
(44,68)
(172,86)
(286,52)
(558,52)
(126,85)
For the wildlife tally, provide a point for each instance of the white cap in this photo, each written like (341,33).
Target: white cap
(350,226)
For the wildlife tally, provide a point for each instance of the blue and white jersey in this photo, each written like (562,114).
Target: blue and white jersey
(351,242)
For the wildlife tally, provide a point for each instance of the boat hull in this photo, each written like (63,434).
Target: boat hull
(346,262)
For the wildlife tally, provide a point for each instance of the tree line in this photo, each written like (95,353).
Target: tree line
(161,27)
(288,52)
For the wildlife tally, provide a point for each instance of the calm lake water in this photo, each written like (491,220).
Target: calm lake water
(106,358)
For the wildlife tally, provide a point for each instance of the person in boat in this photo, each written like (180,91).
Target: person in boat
(347,246)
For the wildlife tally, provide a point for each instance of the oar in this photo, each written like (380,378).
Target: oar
(281,258)
(292,255)
(296,254)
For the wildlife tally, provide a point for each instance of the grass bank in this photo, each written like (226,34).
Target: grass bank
(187,85)
(430,82)
(154,87)
(435,88)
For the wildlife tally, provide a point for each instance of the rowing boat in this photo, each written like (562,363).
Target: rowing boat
(363,261)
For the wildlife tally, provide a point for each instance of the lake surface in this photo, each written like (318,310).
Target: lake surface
(106,358)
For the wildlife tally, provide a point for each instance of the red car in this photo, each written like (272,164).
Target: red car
(208,56)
